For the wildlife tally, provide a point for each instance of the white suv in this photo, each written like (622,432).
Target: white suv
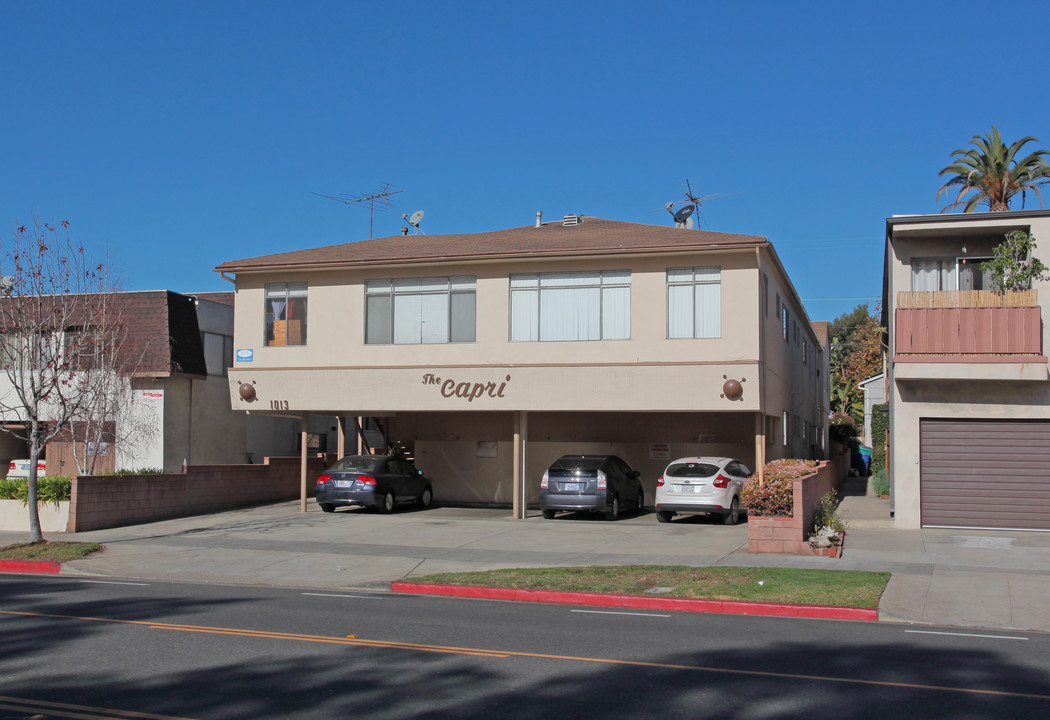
(701,485)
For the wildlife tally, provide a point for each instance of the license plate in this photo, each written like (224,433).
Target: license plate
(343,483)
(570,487)
(697,488)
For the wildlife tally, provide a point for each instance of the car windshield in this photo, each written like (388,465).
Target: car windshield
(358,463)
(698,470)
(586,463)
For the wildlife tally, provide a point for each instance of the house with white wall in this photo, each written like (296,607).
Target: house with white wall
(968,386)
(183,349)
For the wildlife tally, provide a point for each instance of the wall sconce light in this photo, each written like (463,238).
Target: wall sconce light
(733,389)
(247,391)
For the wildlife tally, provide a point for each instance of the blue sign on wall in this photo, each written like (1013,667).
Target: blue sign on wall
(245,355)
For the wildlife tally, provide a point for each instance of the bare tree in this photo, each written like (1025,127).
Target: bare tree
(55,301)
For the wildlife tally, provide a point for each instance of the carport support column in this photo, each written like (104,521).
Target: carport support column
(760,447)
(302,461)
(521,434)
(340,440)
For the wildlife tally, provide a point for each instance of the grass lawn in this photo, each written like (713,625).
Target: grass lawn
(49,551)
(844,588)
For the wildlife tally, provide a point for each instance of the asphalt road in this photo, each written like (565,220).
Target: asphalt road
(77,648)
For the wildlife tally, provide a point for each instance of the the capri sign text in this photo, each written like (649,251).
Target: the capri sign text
(469,390)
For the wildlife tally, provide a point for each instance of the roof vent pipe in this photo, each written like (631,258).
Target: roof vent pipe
(539,218)
(404,231)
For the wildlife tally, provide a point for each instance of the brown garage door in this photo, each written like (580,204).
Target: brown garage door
(985,473)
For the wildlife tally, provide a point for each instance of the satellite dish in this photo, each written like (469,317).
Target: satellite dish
(414,219)
(683,214)
(7,284)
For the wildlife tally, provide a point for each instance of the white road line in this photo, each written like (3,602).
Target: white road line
(359,597)
(111,582)
(994,637)
(612,612)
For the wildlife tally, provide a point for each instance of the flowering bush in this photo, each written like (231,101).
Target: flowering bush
(776,498)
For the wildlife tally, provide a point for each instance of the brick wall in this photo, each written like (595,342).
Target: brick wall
(105,501)
(789,535)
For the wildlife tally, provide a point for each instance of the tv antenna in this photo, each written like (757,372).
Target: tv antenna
(683,216)
(379,200)
(414,220)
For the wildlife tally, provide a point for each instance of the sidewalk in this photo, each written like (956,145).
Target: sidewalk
(993,579)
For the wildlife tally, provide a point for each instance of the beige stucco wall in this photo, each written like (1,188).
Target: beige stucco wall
(337,317)
(915,400)
(954,390)
(337,372)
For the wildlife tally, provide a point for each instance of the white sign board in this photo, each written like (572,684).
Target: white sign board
(659,451)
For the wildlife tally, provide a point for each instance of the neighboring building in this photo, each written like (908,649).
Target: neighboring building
(968,391)
(185,343)
(489,355)
(874,389)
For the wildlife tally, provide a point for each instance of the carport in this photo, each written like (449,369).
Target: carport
(496,458)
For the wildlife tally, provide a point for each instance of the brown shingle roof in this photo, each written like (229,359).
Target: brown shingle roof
(820,327)
(595,236)
(162,329)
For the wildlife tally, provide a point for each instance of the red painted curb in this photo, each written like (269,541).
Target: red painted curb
(727,607)
(30,566)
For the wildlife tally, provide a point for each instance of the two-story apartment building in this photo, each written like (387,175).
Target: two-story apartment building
(968,384)
(489,355)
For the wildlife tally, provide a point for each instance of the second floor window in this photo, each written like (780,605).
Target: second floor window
(949,274)
(694,302)
(413,311)
(570,306)
(286,314)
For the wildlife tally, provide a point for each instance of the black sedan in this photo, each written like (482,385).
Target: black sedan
(374,481)
(598,483)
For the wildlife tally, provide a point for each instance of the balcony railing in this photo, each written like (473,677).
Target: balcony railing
(968,334)
(967,298)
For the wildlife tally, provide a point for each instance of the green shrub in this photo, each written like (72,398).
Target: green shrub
(49,489)
(826,515)
(880,483)
(880,423)
(776,498)
(9,489)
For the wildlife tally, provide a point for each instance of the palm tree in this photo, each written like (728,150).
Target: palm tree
(991,171)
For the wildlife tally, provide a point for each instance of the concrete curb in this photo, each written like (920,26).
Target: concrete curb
(30,566)
(727,607)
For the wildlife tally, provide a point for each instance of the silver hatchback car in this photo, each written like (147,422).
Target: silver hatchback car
(701,485)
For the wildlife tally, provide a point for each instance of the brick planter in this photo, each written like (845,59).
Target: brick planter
(788,535)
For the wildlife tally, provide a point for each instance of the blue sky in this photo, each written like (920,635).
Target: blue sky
(182,135)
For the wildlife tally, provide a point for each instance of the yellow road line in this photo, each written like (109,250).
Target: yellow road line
(82,712)
(482,652)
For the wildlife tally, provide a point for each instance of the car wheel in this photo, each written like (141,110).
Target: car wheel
(426,498)
(664,515)
(387,505)
(641,502)
(733,516)
(548,514)
(613,513)
(327,507)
